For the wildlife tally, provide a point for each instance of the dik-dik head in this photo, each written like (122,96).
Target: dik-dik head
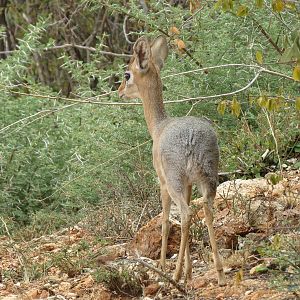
(145,65)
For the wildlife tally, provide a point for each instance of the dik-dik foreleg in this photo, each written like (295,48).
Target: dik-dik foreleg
(208,198)
(166,205)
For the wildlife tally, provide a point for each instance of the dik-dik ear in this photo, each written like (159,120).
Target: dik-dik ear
(142,53)
(159,50)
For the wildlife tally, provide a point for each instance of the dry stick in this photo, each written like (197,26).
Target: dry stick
(130,103)
(92,49)
(233,65)
(162,274)
(261,69)
(220,95)
(262,30)
(19,254)
(88,100)
(124,31)
(275,140)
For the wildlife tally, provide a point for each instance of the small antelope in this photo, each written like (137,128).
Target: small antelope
(185,151)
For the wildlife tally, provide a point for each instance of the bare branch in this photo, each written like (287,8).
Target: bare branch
(220,95)
(87,48)
(92,49)
(268,37)
(232,65)
(125,32)
(91,100)
(162,274)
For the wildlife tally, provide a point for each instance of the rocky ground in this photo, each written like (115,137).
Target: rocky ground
(257,224)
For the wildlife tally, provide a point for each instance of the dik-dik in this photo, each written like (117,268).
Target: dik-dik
(185,151)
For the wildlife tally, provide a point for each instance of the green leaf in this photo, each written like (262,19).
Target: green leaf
(292,52)
(225,4)
(297,148)
(274,178)
(274,104)
(262,101)
(242,11)
(261,269)
(278,5)
(235,107)
(259,57)
(296,73)
(259,3)
(239,276)
(277,241)
(297,103)
(221,107)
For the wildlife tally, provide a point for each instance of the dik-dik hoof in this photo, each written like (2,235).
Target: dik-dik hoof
(176,276)
(221,278)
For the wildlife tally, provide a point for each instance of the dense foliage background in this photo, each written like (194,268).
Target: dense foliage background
(70,149)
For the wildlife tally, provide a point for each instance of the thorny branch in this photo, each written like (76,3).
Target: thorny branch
(92,49)
(91,100)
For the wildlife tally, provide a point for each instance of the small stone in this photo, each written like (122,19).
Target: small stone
(198,283)
(64,286)
(220,296)
(151,289)
(261,268)
(71,295)
(33,294)
(44,294)
(49,247)
(227,270)
(85,283)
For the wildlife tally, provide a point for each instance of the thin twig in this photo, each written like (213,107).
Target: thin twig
(162,274)
(220,95)
(125,32)
(229,66)
(42,112)
(274,138)
(89,100)
(270,40)
(92,49)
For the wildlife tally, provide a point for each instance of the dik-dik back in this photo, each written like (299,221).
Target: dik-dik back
(187,150)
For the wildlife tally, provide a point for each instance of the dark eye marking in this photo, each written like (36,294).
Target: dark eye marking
(127,76)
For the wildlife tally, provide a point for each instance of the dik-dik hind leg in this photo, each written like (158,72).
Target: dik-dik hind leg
(208,211)
(187,261)
(186,215)
(166,205)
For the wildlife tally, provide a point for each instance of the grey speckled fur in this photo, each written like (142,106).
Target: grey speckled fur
(188,150)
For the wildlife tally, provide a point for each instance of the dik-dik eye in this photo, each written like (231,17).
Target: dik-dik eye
(127,76)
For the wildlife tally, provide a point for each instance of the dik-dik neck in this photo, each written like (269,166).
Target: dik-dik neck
(154,110)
